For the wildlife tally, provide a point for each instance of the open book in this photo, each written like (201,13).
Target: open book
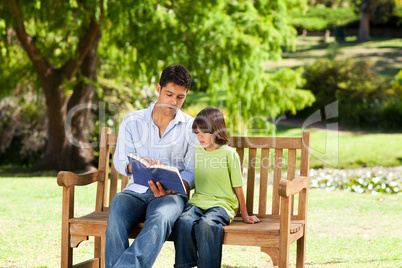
(169,177)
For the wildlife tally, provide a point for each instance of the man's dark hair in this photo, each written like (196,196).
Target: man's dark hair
(211,120)
(176,74)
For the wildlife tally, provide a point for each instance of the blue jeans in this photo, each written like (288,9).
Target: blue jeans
(201,231)
(129,208)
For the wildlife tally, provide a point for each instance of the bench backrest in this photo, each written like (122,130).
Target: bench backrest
(274,157)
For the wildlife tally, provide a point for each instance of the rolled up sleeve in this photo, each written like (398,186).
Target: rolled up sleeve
(124,147)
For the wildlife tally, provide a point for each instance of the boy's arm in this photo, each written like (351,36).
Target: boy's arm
(189,162)
(243,209)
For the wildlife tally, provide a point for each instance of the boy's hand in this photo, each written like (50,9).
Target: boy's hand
(158,189)
(251,219)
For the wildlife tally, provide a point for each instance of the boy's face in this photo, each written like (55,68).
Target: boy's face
(171,98)
(206,140)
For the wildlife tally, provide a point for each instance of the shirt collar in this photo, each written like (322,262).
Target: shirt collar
(178,118)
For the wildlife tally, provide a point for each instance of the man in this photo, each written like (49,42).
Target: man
(159,134)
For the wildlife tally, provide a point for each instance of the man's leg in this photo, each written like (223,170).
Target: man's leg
(125,211)
(184,239)
(209,237)
(161,215)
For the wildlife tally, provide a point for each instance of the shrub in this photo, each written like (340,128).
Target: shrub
(23,129)
(364,96)
(392,110)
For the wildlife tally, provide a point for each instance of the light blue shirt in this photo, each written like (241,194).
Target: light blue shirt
(139,135)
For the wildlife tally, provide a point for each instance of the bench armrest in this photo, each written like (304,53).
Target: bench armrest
(287,188)
(67,179)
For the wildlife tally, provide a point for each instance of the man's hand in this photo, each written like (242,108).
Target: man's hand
(150,161)
(158,190)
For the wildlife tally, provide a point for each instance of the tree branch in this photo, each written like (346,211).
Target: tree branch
(84,45)
(41,64)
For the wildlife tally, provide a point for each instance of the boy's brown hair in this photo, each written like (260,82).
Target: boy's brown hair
(211,120)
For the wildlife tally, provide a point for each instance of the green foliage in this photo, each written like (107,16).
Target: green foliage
(222,43)
(321,18)
(362,94)
(273,94)
(55,25)
(398,13)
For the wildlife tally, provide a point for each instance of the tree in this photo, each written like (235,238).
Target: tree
(378,10)
(53,69)
(222,43)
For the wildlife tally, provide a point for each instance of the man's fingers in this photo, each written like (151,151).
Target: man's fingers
(153,187)
(162,190)
(158,189)
(152,161)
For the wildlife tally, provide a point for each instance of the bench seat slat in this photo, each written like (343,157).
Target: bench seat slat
(268,225)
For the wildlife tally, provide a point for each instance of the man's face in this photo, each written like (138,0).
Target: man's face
(171,98)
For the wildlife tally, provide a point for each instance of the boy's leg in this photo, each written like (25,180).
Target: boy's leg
(161,214)
(209,237)
(126,210)
(184,239)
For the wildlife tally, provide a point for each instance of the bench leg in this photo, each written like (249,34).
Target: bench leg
(283,258)
(100,250)
(273,253)
(67,212)
(66,254)
(301,251)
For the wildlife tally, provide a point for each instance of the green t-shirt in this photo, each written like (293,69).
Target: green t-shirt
(216,173)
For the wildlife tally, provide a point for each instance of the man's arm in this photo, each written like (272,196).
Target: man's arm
(120,159)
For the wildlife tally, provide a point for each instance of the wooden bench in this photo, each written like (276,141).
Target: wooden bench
(278,229)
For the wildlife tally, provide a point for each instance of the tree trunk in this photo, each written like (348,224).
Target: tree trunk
(304,34)
(327,35)
(61,153)
(83,95)
(364,28)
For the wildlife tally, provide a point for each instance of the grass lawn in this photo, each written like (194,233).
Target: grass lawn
(386,54)
(350,150)
(344,229)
